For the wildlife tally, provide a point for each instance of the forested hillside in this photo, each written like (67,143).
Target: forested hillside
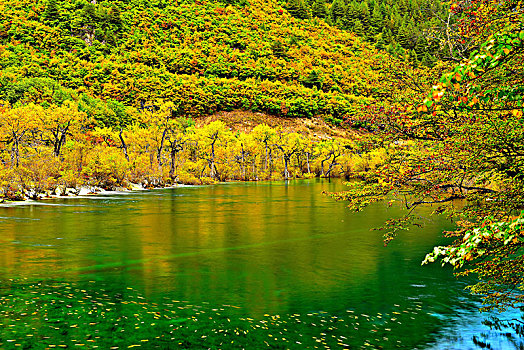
(202,56)
(105,93)
(407,28)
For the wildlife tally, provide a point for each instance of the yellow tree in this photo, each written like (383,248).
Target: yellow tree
(265,134)
(15,125)
(330,152)
(245,152)
(178,132)
(213,136)
(58,122)
(288,144)
(158,121)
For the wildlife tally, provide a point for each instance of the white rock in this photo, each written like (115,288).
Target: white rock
(71,190)
(135,187)
(60,190)
(84,191)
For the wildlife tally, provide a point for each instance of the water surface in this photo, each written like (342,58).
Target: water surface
(273,257)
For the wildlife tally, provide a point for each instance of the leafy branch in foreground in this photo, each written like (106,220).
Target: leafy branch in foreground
(495,252)
(463,141)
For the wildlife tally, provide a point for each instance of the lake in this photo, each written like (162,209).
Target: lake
(235,265)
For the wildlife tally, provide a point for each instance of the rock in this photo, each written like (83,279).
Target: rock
(135,187)
(60,191)
(32,194)
(84,191)
(72,191)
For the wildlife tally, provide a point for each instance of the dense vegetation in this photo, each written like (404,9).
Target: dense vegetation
(102,93)
(75,73)
(407,28)
(55,146)
(203,57)
(469,146)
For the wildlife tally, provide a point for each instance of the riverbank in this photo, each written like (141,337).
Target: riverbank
(61,192)
(229,146)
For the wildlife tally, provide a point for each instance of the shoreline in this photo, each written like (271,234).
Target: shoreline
(82,192)
(93,192)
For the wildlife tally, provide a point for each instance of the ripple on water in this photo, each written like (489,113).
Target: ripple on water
(76,314)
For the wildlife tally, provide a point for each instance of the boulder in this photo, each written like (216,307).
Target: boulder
(60,191)
(71,191)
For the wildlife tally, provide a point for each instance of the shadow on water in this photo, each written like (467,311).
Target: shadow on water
(252,265)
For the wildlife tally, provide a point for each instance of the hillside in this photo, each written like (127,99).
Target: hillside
(106,94)
(204,56)
(245,121)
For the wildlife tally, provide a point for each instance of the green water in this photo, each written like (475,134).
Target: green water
(243,265)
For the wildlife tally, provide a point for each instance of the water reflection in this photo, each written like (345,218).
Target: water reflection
(266,248)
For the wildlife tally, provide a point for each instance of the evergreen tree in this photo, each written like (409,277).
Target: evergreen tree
(363,14)
(421,45)
(298,8)
(319,9)
(380,42)
(303,10)
(278,48)
(52,11)
(413,57)
(358,28)
(377,21)
(427,59)
(313,79)
(403,37)
(387,35)
(337,11)
(115,16)
(352,13)
(396,20)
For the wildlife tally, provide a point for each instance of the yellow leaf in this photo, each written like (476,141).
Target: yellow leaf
(517,113)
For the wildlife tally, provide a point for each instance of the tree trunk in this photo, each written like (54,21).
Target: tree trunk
(307,160)
(266,159)
(286,173)
(159,150)
(172,169)
(124,146)
(15,155)
(243,164)
(212,161)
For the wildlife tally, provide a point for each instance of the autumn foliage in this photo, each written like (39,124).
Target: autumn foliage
(459,148)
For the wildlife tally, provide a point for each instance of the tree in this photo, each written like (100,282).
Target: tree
(213,135)
(358,28)
(52,11)
(265,134)
(376,21)
(330,152)
(115,16)
(337,11)
(313,79)
(463,141)
(288,144)
(16,125)
(403,37)
(298,8)
(58,122)
(319,9)
(176,138)
(352,14)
